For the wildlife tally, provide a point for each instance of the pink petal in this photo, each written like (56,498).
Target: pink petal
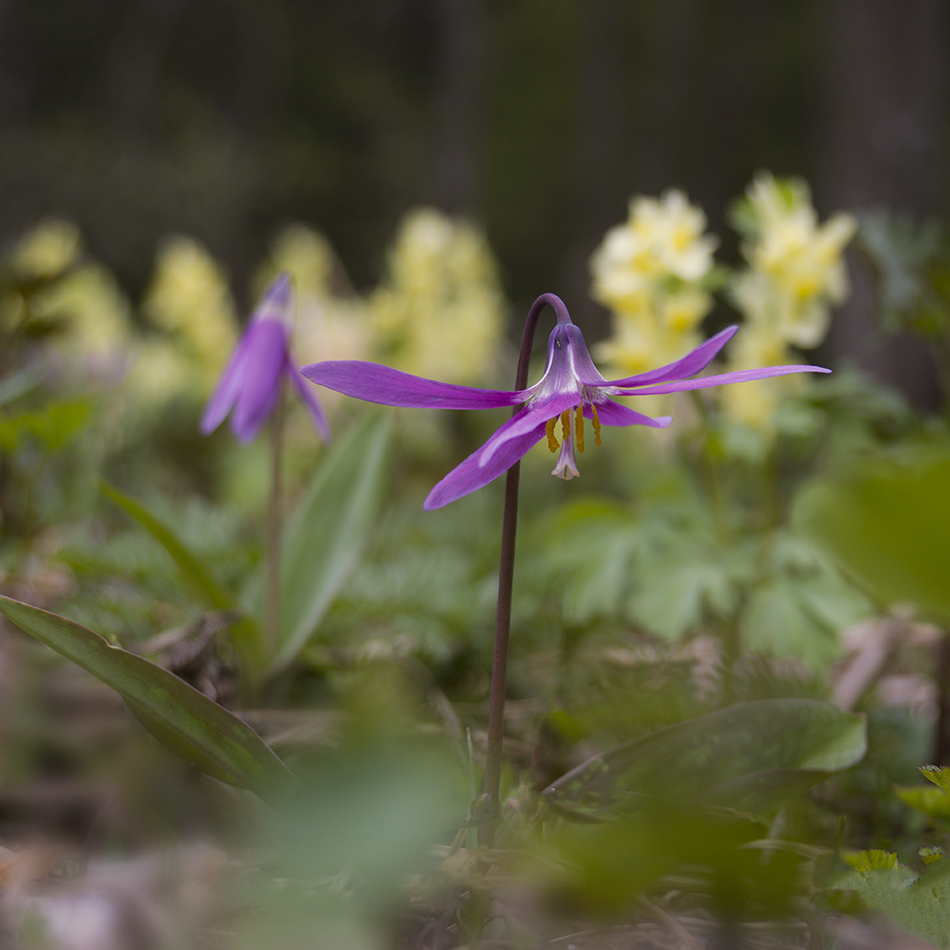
(391,387)
(740,376)
(611,413)
(528,419)
(309,397)
(472,474)
(691,364)
(227,389)
(260,378)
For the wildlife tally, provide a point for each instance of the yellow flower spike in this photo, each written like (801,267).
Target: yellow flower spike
(580,427)
(549,431)
(566,425)
(596,422)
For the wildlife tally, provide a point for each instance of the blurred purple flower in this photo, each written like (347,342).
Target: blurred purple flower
(250,385)
(570,391)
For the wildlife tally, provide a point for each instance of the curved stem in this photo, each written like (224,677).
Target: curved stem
(506,568)
(274,524)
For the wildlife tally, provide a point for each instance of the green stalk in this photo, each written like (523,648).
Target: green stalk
(274,525)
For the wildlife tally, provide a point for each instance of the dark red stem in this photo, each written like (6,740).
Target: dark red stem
(506,568)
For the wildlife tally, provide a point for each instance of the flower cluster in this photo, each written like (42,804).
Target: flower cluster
(75,295)
(653,274)
(795,273)
(440,308)
(188,300)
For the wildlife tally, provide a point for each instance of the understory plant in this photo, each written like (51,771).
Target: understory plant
(646,731)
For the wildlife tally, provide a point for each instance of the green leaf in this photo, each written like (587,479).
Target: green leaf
(200,579)
(180,717)
(800,617)
(888,525)
(55,425)
(874,859)
(939,775)
(927,799)
(677,588)
(244,632)
(327,534)
(589,545)
(745,756)
(919,906)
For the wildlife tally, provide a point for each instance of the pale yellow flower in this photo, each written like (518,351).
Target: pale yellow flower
(754,403)
(331,320)
(800,258)
(189,298)
(649,271)
(48,250)
(439,310)
(661,239)
(92,315)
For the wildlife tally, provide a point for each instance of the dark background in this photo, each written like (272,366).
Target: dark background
(226,119)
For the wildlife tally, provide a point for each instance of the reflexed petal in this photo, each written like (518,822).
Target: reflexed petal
(471,475)
(740,376)
(224,396)
(391,387)
(309,397)
(534,414)
(266,353)
(691,364)
(611,413)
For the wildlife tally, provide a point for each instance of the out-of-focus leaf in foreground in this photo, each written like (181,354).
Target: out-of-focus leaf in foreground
(327,534)
(888,524)
(180,717)
(746,757)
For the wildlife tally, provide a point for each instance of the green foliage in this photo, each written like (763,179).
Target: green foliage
(191,567)
(912,270)
(717,852)
(179,716)
(327,534)
(321,549)
(749,757)
(887,523)
(671,570)
(918,904)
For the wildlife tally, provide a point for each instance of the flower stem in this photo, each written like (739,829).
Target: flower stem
(274,516)
(506,571)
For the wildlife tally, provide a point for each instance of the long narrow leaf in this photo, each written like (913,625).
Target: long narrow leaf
(245,632)
(327,534)
(194,571)
(180,717)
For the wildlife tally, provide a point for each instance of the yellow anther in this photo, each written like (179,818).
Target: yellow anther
(580,428)
(566,424)
(596,422)
(549,430)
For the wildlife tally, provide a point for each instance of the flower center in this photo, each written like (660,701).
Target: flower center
(572,432)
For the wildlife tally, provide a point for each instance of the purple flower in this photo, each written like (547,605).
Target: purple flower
(570,392)
(251,381)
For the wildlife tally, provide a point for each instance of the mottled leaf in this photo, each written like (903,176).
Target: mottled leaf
(741,756)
